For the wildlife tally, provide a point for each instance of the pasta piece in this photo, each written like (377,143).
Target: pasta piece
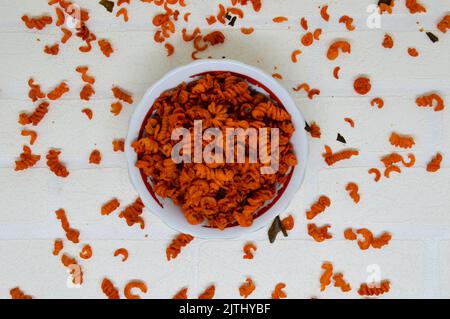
(36,117)
(319,234)
(278,292)
(288,223)
(307,39)
(123,252)
(325,278)
(413,52)
(87,92)
(324,13)
(279,19)
(294,55)
(444,24)
(340,282)
(348,22)
(349,234)
(88,113)
(57,247)
(75,269)
(84,75)
(247,31)
(208,293)
(170,49)
(402,141)
(67,34)
(435,164)
(352,188)
(86,252)
(318,207)
(362,85)
(109,290)
(428,101)
(122,95)
(248,250)
(315,130)
(332,158)
(35,93)
(110,206)
(17,293)
(58,92)
(376,172)
(367,238)
(182,294)
(247,288)
(377,101)
(116,108)
(414,7)
(52,50)
(71,234)
(336,72)
(132,285)
(132,214)
(37,23)
(95,157)
(335,47)
(55,165)
(174,249)
(27,159)
(123,12)
(375,290)
(105,47)
(118,145)
(388,42)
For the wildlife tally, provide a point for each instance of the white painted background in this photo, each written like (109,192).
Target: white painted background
(414,206)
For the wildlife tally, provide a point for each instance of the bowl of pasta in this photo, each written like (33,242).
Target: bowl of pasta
(216,149)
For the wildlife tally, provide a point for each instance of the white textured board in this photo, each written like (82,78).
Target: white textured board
(413,206)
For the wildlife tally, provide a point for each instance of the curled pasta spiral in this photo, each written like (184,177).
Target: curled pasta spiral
(122,95)
(37,23)
(36,117)
(247,288)
(278,292)
(319,234)
(27,159)
(35,93)
(132,213)
(55,165)
(208,293)
(435,164)
(318,207)
(71,234)
(132,285)
(401,141)
(352,188)
(17,293)
(58,91)
(110,206)
(376,290)
(109,290)
(182,294)
(332,158)
(429,101)
(325,278)
(174,249)
(340,282)
(248,250)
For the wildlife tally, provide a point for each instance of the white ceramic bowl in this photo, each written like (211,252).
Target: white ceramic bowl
(170,213)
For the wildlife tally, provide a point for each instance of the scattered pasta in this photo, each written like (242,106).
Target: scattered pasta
(27,159)
(352,188)
(362,85)
(95,157)
(428,101)
(134,285)
(247,288)
(182,294)
(109,290)
(123,252)
(401,141)
(208,293)
(332,158)
(17,293)
(325,278)
(319,234)
(132,213)
(278,292)
(86,252)
(71,234)
(57,247)
(248,250)
(110,206)
(318,207)
(435,164)
(55,165)
(374,290)
(174,249)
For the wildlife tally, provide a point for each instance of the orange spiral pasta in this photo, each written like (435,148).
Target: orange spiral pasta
(247,288)
(182,294)
(122,95)
(325,278)
(362,85)
(429,101)
(132,285)
(340,282)
(278,292)
(58,92)
(319,234)
(318,207)
(352,188)
(17,293)
(67,34)
(105,47)
(118,145)
(36,117)
(349,234)
(288,223)
(444,24)
(248,250)
(75,269)
(247,31)
(116,108)
(208,293)
(84,75)
(376,172)
(368,239)
(307,39)
(378,102)
(109,290)
(435,164)
(71,234)
(95,157)
(217,194)
(52,50)
(110,206)
(388,42)
(324,13)
(123,252)
(132,214)
(86,252)
(87,92)
(402,141)
(35,93)
(348,22)
(55,165)
(335,47)
(27,159)
(31,134)
(315,130)
(123,12)
(88,113)
(376,290)
(390,169)
(37,23)
(57,247)
(414,7)
(174,249)
(332,158)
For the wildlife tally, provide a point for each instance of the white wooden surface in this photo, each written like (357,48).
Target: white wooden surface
(414,206)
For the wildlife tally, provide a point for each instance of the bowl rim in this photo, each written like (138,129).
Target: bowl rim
(212,65)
